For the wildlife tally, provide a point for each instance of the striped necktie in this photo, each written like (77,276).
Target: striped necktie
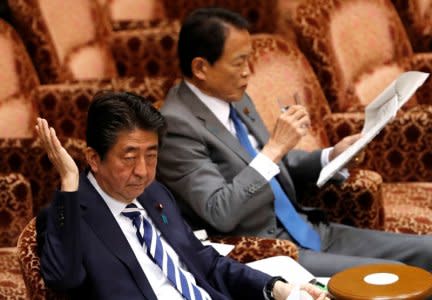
(157,252)
(300,230)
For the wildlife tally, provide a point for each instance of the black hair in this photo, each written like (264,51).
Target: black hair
(112,112)
(203,34)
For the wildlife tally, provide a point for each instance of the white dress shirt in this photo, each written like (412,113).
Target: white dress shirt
(261,163)
(160,284)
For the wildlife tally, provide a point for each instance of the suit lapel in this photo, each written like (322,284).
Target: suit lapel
(251,119)
(150,205)
(201,111)
(99,217)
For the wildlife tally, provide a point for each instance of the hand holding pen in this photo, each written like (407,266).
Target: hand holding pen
(284,108)
(292,124)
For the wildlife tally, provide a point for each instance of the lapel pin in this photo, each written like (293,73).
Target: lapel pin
(159,207)
(164,219)
(246,111)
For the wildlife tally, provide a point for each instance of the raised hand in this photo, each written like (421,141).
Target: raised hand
(58,156)
(290,127)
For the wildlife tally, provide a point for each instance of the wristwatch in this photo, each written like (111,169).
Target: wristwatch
(268,289)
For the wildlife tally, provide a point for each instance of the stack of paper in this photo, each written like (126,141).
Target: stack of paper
(377,114)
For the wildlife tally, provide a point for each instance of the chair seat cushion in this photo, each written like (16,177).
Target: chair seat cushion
(249,248)
(408,207)
(11,281)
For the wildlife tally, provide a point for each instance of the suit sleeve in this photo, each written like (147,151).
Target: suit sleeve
(58,230)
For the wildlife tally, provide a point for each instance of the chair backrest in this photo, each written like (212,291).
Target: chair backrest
(355,47)
(27,156)
(263,15)
(151,48)
(281,75)
(18,80)
(67,39)
(416,15)
(131,10)
(16,207)
(65,106)
(30,265)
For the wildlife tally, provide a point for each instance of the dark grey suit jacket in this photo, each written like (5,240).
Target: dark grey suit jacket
(208,170)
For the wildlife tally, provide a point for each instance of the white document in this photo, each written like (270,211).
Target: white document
(289,269)
(283,266)
(223,249)
(377,114)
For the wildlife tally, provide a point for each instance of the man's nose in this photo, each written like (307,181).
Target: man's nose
(246,70)
(141,167)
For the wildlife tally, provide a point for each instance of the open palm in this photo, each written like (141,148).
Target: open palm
(58,156)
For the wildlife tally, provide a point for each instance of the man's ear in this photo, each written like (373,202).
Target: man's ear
(199,67)
(93,159)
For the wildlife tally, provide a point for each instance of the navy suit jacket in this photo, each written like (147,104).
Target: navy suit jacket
(84,252)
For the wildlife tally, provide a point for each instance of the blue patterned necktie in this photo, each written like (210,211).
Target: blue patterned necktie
(300,230)
(161,257)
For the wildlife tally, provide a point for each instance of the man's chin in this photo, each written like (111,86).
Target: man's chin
(136,190)
(236,98)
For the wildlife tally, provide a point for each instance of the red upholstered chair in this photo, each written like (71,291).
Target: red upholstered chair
(27,157)
(82,48)
(73,40)
(30,266)
(121,13)
(354,59)
(281,73)
(357,47)
(263,16)
(65,105)
(18,79)
(151,49)
(15,213)
(416,16)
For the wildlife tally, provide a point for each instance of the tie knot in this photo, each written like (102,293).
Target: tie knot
(232,113)
(131,211)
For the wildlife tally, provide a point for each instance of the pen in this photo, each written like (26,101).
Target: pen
(315,282)
(284,108)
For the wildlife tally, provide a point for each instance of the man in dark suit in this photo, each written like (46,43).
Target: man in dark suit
(231,176)
(115,233)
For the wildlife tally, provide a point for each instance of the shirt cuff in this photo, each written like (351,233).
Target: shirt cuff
(342,174)
(268,288)
(264,166)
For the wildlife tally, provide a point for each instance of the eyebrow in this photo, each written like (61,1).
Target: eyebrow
(242,56)
(134,149)
(153,147)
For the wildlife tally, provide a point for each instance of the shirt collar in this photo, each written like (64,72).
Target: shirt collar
(218,107)
(115,206)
